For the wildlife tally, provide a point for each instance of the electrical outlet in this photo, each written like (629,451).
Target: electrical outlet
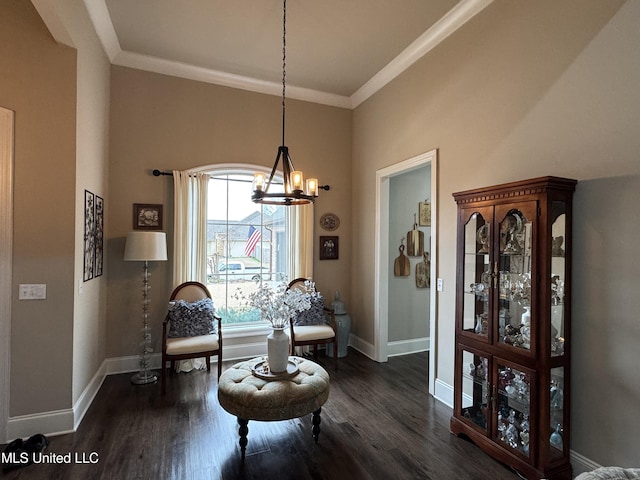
(32,291)
(440,284)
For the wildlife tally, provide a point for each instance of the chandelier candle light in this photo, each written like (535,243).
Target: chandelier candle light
(145,247)
(296,190)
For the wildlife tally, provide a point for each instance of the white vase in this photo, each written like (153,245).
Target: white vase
(278,350)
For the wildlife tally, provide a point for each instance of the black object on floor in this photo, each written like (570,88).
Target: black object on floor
(21,453)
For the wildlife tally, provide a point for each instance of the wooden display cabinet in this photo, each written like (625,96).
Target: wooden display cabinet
(513,324)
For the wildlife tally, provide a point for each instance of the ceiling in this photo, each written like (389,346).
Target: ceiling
(338,52)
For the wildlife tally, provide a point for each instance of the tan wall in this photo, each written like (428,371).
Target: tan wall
(523,90)
(39,83)
(92,140)
(169,123)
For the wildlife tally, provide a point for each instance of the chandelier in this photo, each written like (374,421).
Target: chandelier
(296,190)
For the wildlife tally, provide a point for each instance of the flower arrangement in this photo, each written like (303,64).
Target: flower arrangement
(278,304)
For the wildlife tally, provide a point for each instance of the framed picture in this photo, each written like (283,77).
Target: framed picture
(328,248)
(88,270)
(424,213)
(147,216)
(99,236)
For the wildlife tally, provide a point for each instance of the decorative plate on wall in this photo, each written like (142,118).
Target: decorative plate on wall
(329,221)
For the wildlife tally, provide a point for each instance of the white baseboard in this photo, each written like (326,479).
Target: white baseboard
(89,393)
(444,393)
(364,347)
(581,464)
(48,423)
(57,422)
(407,347)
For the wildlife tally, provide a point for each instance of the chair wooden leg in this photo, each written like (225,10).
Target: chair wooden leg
(208,360)
(163,380)
(219,365)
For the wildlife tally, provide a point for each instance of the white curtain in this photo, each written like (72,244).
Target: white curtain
(190,227)
(300,242)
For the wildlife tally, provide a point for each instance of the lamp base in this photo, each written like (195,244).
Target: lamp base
(142,378)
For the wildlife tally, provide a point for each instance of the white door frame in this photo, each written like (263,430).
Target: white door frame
(383,261)
(6,257)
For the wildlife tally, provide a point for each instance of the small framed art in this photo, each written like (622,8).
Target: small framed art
(329,248)
(147,216)
(424,213)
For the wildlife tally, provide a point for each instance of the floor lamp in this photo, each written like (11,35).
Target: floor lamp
(145,247)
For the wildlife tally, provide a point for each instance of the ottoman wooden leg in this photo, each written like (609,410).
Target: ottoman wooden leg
(316,424)
(243,430)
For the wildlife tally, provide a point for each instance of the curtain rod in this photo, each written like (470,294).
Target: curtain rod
(159,173)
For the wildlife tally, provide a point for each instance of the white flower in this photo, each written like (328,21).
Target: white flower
(278,304)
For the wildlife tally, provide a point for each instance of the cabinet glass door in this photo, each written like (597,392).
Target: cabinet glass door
(556,426)
(514,278)
(475,388)
(513,403)
(558,275)
(477,275)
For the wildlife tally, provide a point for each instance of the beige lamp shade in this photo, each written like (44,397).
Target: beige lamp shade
(143,246)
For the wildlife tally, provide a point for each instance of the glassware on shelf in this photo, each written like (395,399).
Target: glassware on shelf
(511,234)
(556,396)
(524,434)
(556,437)
(557,290)
(482,238)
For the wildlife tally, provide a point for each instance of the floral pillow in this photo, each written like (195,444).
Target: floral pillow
(191,319)
(313,316)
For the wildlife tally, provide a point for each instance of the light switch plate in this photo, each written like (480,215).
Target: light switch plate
(440,284)
(32,291)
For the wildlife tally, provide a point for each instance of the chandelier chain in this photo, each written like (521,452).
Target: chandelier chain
(284,61)
(294,185)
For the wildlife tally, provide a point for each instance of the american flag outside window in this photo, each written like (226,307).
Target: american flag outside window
(252,240)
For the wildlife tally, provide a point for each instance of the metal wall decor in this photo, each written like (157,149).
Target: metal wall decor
(99,236)
(93,236)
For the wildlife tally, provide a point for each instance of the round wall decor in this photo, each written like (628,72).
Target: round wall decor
(329,221)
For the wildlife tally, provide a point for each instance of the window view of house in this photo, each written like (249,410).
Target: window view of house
(245,245)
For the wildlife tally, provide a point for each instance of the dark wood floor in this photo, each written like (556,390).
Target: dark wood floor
(379,423)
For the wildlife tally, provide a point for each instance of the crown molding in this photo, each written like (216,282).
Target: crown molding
(99,15)
(191,72)
(449,23)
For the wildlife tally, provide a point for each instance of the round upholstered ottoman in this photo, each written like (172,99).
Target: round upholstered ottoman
(249,397)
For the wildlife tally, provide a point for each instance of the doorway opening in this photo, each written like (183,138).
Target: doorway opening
(6,235)
(385,243)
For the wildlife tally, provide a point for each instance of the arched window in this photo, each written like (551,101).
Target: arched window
(246,243)
(240,243)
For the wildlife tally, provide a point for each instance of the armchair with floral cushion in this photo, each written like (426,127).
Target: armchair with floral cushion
(191,328)
(315,326)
